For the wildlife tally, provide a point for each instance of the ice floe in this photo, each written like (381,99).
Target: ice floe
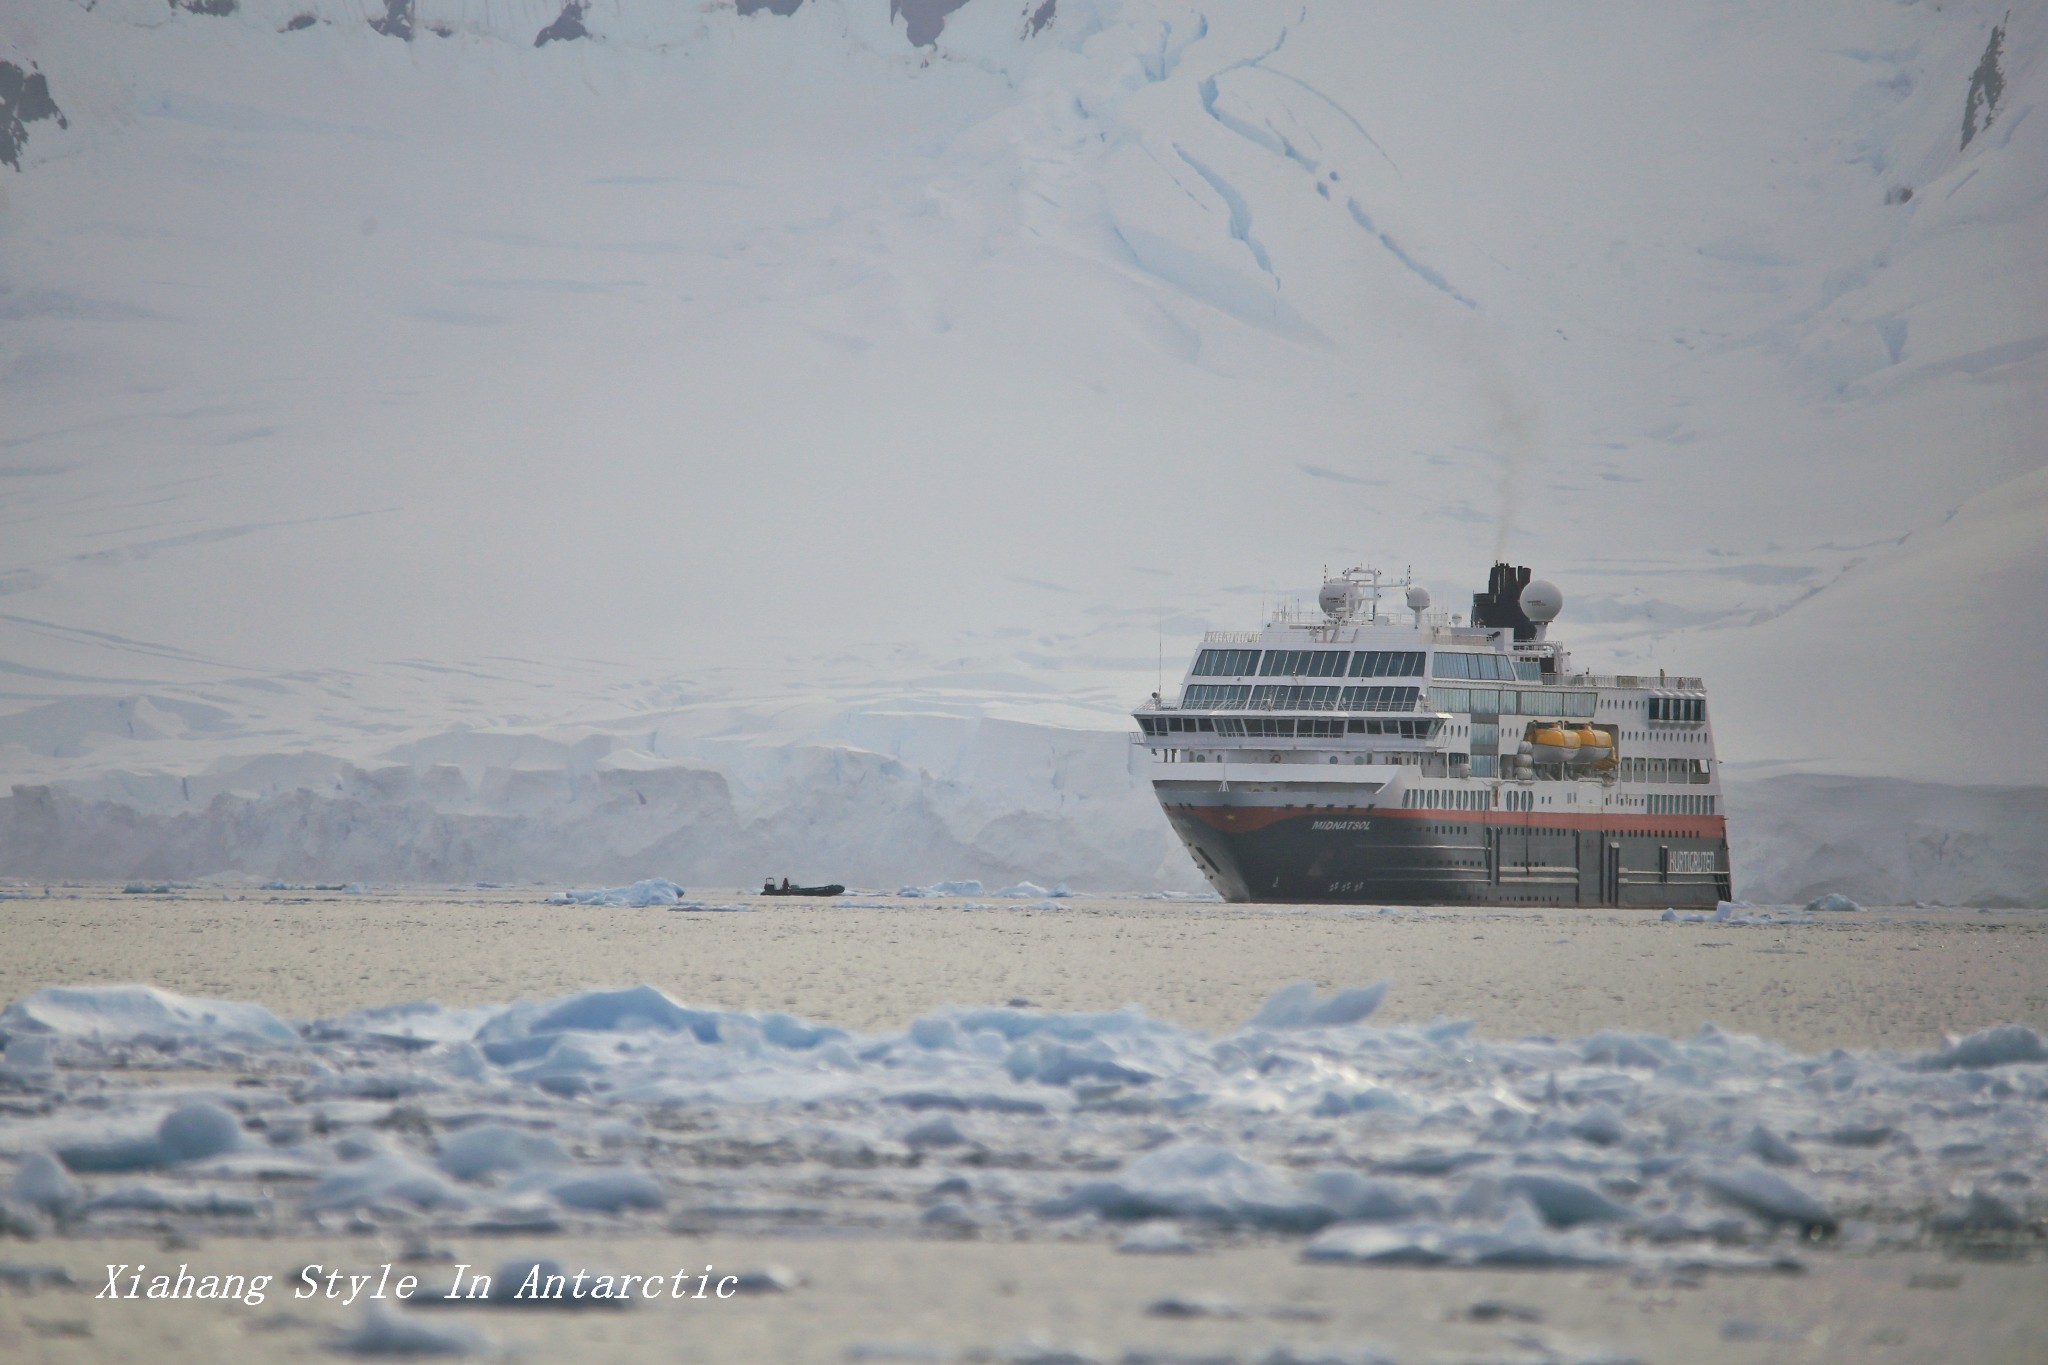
(1739,914)
(624,1109)
(960,888)
(388,1333)
(108,1013)
(654,891)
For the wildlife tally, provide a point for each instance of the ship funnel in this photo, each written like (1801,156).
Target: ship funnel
(1500,606)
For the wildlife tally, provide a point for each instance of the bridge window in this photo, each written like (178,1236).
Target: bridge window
(1477,667)
(1386,663)
(1304,663)
(1406,729)
(1213,697)
(1226,663)
(1380,698)
(1281,697)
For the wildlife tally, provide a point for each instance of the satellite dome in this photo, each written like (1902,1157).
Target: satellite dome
(1418,598)
(1541,601)
(1339,598)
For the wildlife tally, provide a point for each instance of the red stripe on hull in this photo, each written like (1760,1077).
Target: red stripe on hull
(1243,819)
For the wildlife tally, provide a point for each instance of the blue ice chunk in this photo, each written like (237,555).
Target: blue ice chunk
(1565,1203)
(488,1148)
(1770,1197)
(1196,1180)
(121,1013)
(2001,1046)
(1296,1006)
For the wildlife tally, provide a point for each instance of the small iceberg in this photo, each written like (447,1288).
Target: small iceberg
(654,891)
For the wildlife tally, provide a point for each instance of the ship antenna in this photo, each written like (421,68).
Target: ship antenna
(1161,680)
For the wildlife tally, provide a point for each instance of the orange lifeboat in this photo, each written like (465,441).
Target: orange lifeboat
(1595,746)
(1553,744)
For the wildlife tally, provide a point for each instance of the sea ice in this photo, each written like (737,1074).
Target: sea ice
(599,1191)
(2001,1046)
(1564,1203)
(1600,1125)
(1417,1142)
(654,891)
(1354,1198)
(1296,1006)
(492,1148)
(110,1013)
(385,1333)
(42,1184)
(1983,1211)
(1196,1180)
(385,1179)
(936,889)
(1157,1239)
(1770,1197)
(188,1133)
(1519,1240)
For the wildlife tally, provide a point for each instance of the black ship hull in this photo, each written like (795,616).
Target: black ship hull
(1403,857)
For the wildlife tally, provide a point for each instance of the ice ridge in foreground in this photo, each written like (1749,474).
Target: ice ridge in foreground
(617,1109)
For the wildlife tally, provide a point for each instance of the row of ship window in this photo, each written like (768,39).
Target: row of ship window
(1309,663)
(1524,800)
(1330,697)
(1286,727)
(1296,697)
(1663,769)
(1360,663)
(1679,710)
(1447,800)
(1506,701)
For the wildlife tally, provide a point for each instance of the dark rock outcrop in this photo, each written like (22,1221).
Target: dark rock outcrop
(24,99)
(398,21)
(923,20)
(1987,87)
(568,25)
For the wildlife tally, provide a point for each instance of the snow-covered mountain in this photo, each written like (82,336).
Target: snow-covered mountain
(736,388)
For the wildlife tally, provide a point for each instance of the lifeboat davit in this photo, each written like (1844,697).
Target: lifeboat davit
(1595,746)
(1553,744)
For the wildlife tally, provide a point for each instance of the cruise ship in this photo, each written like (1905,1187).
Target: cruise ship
(1408,756)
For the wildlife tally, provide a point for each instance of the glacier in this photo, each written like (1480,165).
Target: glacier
(476,444)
